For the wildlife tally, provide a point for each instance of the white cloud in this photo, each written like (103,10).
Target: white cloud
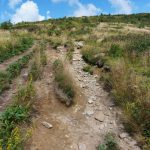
(86,10)
(28,11)
(13,3)
(48,15)
(71,2)
(122,6)
(82,9)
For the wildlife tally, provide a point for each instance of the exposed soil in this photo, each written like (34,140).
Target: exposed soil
(82,126)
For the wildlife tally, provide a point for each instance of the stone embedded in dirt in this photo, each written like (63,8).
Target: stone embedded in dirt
(90,101)
(47,125)
(133,142)
(89,112)
(78,44)
(25,76)
(100,63)
(82,146)
(101,127)
(107,68)
(123,135)
(102,54)
(100,116)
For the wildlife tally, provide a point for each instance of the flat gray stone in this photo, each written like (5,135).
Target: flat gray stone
(123,135)
(82,146)
(89,112)
(47,125)
(100,116)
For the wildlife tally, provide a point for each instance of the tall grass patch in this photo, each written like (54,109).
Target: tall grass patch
(64,81)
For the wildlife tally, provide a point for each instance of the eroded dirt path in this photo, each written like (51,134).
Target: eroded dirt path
(82,126)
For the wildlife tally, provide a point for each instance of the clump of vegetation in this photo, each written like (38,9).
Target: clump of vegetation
(56,42)
(40,60)
(90,55)
(110,143)
(64,81)
(88,69)
(11,134)
(43,58)
(115,51)
(70,50)
(14,69)
(35,71)
(15,46)
(4,82)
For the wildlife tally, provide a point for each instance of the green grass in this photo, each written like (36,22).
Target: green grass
(13,71)
(88,69)
(4,82)
(90,55)
(11,136)
(110,143)
(115,51)
(9,50)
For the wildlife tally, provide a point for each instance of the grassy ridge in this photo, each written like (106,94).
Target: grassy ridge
(13,71)
(128,79)
(11,49)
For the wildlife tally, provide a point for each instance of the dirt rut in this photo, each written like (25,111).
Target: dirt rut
(82,126)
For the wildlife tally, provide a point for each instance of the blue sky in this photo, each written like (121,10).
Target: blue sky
(36,10)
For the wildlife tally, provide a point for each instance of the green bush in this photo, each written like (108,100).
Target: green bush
(88,69)
(115,51)
(110,143)
(91,55)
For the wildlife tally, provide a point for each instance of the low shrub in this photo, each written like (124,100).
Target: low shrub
(115,51)
(90,55)
(88,69)
(110,143)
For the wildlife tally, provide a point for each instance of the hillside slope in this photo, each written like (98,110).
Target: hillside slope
(84,85)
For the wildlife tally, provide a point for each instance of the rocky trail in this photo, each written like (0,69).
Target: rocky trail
(82,126)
